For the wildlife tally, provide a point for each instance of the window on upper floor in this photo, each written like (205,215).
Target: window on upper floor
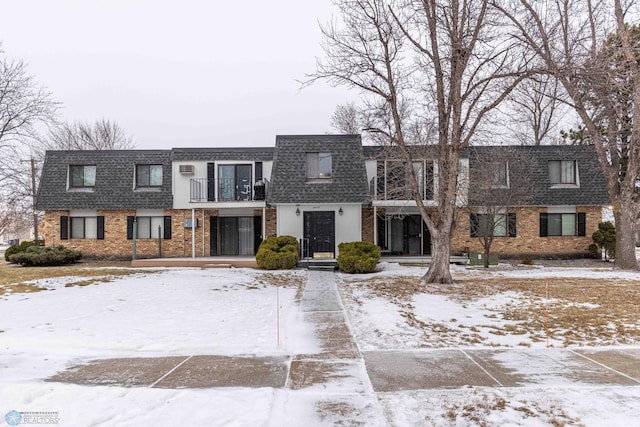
(563,172)
(148,176)
(319,165)
(498,174)
(393,182)
(82,176)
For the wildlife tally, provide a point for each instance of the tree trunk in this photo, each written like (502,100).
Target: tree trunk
(625,258)
(441,249)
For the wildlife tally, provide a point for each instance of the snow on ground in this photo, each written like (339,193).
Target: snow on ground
(234,312)
(429,320)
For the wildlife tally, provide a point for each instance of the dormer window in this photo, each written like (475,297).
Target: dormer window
(81,176)
(563,172)
(319,165)
(498,174)
(148,176)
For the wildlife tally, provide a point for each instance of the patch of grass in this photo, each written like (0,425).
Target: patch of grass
(13,278)
(581,311)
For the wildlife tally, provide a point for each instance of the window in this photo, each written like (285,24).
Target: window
(498,174)
(562,224)
(148,175)
(503,225)
(562,172)
(82,176)
(319,165)
(147,227)
(82,227)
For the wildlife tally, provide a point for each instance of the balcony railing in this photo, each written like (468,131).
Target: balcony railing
(383,188)
(204,190)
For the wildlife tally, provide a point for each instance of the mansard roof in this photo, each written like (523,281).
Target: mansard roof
(289,183)
(114,186)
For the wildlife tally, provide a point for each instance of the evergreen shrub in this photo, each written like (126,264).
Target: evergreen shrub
(358,257)
(41,256)
(21,247)
(278,253)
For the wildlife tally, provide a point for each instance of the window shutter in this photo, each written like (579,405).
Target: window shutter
(130,227)
(100,227)
(582,224)
(511,225)
(213,232)
(211,182)
(258,176)
(543,225)
(474,222)
(64,228)
(167,228)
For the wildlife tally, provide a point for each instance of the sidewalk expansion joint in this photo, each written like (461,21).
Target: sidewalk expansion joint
(170,371)
(606,367)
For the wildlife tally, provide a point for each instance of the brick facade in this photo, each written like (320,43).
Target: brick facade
(528,241)
(115,244)
(368,222)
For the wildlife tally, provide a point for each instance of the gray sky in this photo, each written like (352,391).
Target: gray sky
(179,73)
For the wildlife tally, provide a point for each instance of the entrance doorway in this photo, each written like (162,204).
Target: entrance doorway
(407,235)
(235,235)
(319,232)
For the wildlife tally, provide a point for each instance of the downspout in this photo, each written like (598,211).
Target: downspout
(193,232)
(375,229)
(264,222)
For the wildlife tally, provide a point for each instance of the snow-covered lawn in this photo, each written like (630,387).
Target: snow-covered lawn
(236,312)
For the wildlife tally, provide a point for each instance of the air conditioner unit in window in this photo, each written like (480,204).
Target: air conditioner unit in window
(186,169)
(188,223)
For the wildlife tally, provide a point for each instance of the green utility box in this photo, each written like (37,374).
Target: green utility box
(477,258)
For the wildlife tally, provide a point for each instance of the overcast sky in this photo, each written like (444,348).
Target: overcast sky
(179,73)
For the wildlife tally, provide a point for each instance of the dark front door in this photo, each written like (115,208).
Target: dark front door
(319,231)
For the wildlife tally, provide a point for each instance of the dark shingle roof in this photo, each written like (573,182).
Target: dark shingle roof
(259,154)
(289,184)
(114,188)
(534,160)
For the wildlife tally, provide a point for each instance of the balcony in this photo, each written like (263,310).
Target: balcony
(203,190)
(384,188)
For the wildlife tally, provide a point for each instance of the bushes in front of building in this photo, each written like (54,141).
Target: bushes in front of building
(278,253)
(358,257)
(36,255)
(21,247)
(604,240)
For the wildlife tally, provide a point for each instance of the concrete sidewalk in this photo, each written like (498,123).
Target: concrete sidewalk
(343,382)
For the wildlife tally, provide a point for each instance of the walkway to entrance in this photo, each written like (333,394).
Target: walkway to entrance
(343,384)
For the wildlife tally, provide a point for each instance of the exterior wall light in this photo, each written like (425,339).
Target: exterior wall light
(340,211)
(297,211)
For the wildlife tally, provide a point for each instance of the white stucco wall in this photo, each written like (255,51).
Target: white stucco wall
(181,183)
(348,225)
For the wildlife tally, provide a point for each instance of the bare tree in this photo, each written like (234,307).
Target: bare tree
(534,110)
(25,106)
(345,119)
(101,135)
(500,181)
(448,63)
(594,54)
